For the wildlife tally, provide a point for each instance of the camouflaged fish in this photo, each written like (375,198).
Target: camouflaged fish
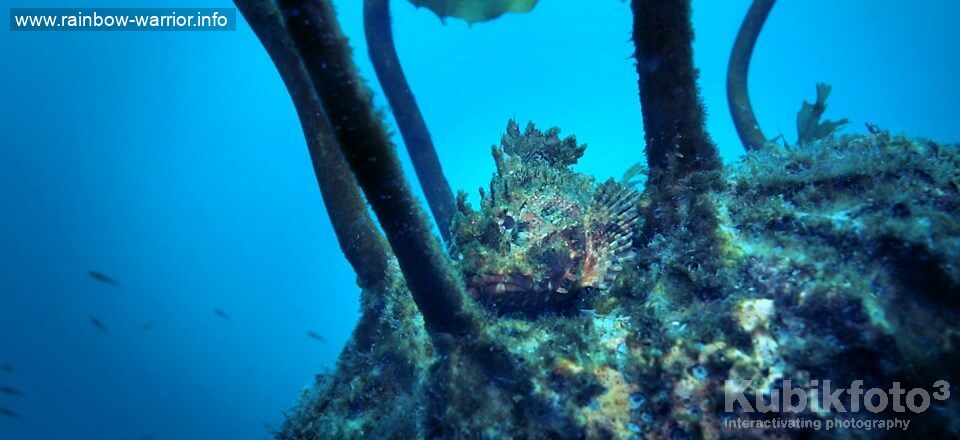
(544,234)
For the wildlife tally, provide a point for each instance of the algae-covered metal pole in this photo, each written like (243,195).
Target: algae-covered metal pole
(363,138)
(684,162)
(383,54)
(738,95)
(359,238)
(673,116)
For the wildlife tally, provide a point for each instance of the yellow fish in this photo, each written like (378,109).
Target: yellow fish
(474,11)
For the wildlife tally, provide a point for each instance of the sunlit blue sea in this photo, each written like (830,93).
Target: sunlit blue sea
(173,164)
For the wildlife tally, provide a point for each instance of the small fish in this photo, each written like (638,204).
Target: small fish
(10,391)
(222,314)
(146,327)
(99,325)
(316,336)
(102,278)
(875,129)
(10,413)
(7,368)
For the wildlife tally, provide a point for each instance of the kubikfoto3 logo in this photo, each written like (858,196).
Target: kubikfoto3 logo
(821,398)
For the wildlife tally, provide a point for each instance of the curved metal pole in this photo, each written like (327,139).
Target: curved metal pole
(434,284)
(673,115)
(358,235)
(738,96)
(379,33)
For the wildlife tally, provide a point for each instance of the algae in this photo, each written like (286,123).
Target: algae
(840,260)
(809,125)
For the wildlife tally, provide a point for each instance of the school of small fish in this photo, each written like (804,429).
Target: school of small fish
(99,325)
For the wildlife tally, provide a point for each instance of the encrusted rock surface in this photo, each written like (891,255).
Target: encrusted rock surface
(837,260)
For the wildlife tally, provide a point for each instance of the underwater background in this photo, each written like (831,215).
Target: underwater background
(173,162)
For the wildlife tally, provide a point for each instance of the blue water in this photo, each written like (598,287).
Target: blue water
(174,163)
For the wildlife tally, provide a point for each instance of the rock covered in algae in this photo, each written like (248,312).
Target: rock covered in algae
(377,386)
(839,260)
